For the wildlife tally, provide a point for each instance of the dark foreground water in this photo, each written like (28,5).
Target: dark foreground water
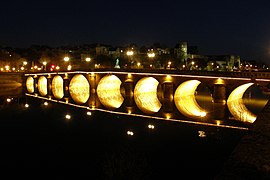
(39,142)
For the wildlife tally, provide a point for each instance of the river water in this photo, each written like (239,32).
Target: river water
(38,141)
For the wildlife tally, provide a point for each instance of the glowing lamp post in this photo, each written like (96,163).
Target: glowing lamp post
(169,64)
(130,54)
(88,59)
(66,59)
(44,63)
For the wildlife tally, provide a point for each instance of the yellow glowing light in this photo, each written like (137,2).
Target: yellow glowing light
(130,53)
(168,78)
(167,115)
(66,58)
(145,95)
(30,84)
(219,81)
(202,134)
(69,67)
(151,55)
(108,91)
(8,100)
(185,101)
(129,75)
(42,85)
(79,89)
(7,67)
(46,103)
(237,107)
(58,87)
(88,59)
(26,105)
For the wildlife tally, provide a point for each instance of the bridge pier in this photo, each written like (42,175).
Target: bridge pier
(36,85)
(219,93)
(49,86)
(167,97)
(92,102)
(129,88)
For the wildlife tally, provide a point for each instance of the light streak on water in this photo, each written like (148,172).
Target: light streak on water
(147,116)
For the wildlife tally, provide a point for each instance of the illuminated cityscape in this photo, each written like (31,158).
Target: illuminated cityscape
(100,56)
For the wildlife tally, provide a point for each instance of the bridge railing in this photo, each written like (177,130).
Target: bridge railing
(244,74)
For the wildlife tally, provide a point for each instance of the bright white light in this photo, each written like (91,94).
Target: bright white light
(89,113)
(26,105)
(151,55)
(130,53)
(130,133)
(150,126)
(66,58)
(68,116)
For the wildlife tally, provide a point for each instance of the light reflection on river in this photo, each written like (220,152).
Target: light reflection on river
(40,140)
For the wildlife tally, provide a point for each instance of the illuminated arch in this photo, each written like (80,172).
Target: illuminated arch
(58,87)
(236,104)
(145,95)
(108,91)
(30,84)
(79,89)
(42,85)
(184,99)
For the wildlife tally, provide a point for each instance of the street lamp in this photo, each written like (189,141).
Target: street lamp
(44,63)
(130,54)
(88,59)
(66,58)
(169,64)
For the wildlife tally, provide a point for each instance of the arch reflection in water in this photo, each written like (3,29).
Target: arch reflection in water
(79,89)
(30,84)
(108,91)
(145,95)
(42,86)
(58,87)
(237,107)
(184,99)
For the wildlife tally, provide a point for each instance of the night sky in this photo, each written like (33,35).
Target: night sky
(216,27)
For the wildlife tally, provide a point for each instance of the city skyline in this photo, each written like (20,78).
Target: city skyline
(229,27)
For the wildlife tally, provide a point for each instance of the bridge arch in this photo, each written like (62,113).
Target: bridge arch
(79,89)
(58,87)
(145,95)
(237,107)
(184,99)
(30,84)
(109,93)
(42,85)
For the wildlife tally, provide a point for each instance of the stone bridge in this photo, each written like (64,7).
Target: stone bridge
(151,92)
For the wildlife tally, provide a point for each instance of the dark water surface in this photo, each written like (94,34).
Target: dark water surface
(39,142)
